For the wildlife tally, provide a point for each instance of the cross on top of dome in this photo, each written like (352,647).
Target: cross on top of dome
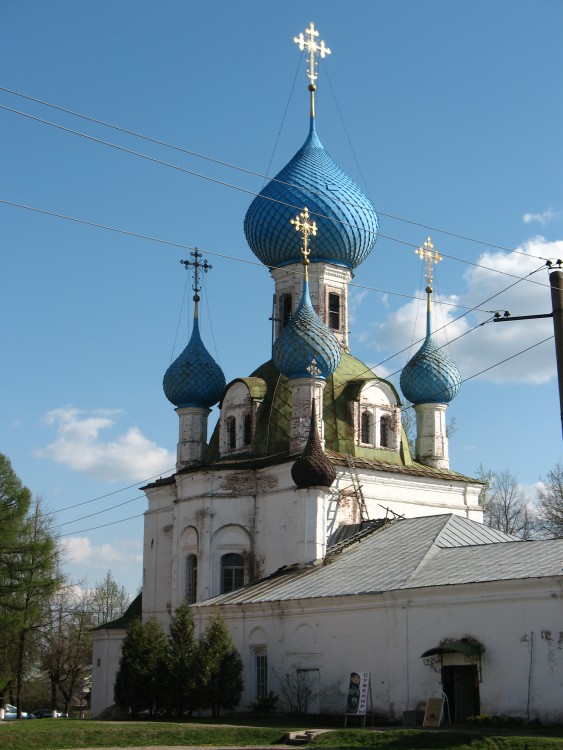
(315,49)
(196,265)
(307,228)
(427,253)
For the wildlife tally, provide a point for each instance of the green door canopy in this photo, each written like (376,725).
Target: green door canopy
(456,647)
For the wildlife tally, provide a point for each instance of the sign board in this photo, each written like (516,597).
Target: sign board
(433,713)
(358,693)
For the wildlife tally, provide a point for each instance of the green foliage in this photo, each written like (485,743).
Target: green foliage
(177,674)
(141,677)
(265,703)
(221,667)
(182,663)
(68,733)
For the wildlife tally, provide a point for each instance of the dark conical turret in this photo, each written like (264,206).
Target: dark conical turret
(312,468)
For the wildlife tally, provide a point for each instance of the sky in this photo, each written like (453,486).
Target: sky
(447,114)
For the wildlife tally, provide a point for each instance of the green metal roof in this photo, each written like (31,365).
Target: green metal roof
(271,436)
(133,611)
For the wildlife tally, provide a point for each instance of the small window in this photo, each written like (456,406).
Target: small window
(385,431)
(334,311)
(232,572)
(285,309)
(366,428)
(247,429)
(191,579)
(261,665)
(231,433)
(98,662)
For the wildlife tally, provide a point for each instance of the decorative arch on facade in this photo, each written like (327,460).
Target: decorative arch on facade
(231,558)
(239,409)
(378,416)
(189,556)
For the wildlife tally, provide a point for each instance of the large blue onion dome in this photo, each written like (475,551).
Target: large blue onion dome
(430,377)
(345,216)
(304,339)
(194,378)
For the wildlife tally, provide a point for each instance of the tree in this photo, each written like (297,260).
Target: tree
(550,502)
(183,674)
(35,571)
(66,643)
(108,600)
(141,678)
(15,500)
(505,505)
(221,667)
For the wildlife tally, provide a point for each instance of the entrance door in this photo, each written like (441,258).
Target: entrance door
(461,685)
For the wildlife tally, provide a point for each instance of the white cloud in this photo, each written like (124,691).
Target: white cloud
(80,551)
(548,215)
(79,446)
(494,342)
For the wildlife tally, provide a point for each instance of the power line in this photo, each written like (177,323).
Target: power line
(223,183)
(184,246)
(264,176)
(108,494)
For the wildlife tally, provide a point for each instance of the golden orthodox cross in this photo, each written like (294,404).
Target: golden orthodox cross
(430,256)
(307,228)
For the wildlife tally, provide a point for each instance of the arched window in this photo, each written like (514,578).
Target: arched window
(247,429)
(191,579)
(232,572)
(385,431)
(231,433)
(366,428)
(334,311)
(261,666)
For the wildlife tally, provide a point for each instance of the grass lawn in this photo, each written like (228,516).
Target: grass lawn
(71,734)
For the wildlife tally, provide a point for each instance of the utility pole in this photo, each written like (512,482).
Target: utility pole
(556,284)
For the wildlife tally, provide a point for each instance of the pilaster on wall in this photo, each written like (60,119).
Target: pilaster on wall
(192,439)
(324,278)
(303,390)
(431,438)
(312,533)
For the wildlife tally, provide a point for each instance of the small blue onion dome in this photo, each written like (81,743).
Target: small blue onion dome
(304,339)
(194,378)
(430,377)
(314,180)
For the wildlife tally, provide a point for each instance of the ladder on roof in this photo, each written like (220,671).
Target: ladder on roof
(332,513)
(357,488)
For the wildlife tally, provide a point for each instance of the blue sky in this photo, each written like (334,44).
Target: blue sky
(448,114)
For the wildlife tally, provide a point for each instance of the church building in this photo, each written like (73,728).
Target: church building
(304,519)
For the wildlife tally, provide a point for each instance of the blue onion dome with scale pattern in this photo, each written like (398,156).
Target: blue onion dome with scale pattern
(430,377)
(345,216)
(304,339)
(194,378)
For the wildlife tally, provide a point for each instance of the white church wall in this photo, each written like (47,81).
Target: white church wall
(157,554)
(517,623)
(106,652)
(413,496)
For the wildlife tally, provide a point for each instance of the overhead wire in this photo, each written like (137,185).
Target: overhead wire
(238,168)
(239,188)
(184,246)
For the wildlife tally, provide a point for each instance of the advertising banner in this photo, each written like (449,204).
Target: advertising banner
(358,693)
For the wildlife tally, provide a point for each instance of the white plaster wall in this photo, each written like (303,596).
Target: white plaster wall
(386,634)
(413,496)
(157,554)
(106,652)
